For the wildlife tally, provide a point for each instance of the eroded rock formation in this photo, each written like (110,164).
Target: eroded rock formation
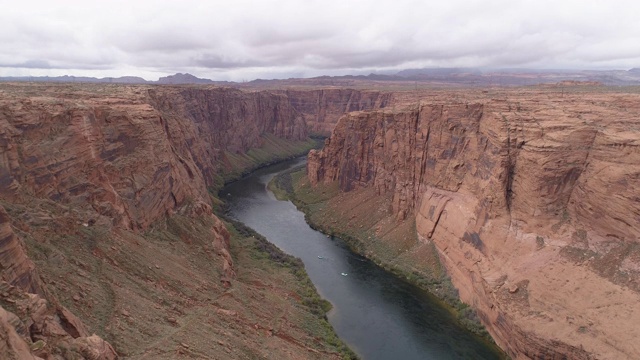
(531,200)
(26,314)
(17,269)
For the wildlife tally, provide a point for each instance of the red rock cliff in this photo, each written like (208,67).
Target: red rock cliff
(322,108)
(131,156)
(17,269)
(531,202)
(122,157)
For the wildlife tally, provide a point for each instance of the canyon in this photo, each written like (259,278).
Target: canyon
(107,195)
(115,243)
(528,198)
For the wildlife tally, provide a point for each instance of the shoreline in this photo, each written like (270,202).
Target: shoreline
(441,291)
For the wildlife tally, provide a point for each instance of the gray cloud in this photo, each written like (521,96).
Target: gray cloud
(247,39)
(29,64)
(217,61)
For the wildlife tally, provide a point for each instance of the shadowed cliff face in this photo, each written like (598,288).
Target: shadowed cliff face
(321,109)
(531,202)
(17,269)
(231,120)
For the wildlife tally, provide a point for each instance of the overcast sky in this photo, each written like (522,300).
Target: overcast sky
(243,40)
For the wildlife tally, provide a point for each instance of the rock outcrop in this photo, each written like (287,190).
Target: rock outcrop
(17,269)
(531,201)
(32,318)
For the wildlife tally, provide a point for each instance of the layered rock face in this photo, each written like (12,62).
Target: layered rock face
(231,119)
(118,158)
(322,108)
(133,156)
(531,201)
(17,269)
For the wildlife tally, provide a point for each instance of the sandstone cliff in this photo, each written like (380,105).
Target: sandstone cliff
(92,177)
(225,120)
(322,108)
(130,156)
(531,201)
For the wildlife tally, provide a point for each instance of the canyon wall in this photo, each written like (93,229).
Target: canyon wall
(101,161)
(531,201)
(322,108)
(137,155)
(225,120)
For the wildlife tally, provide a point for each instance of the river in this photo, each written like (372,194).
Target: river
(379,315)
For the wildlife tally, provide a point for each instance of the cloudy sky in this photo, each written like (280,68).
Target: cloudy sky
(243,40)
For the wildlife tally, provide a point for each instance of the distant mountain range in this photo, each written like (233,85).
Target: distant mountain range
(444,76)
(171,79)
(75,79)
(502,77)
